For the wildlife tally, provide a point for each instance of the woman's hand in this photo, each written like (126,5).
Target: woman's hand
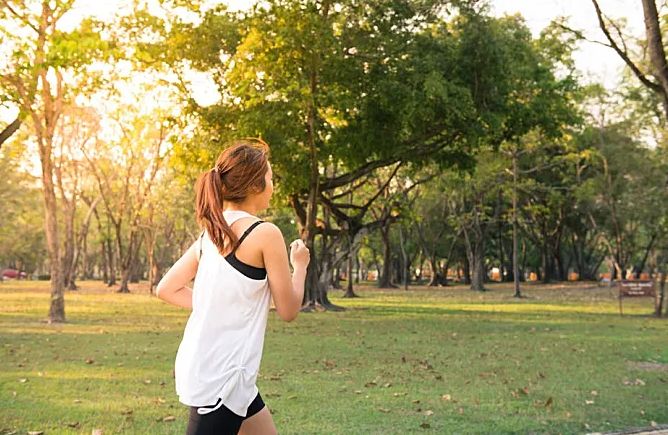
(299,254)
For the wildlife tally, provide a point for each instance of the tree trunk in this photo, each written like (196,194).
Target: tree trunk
(385,280)
(69,246)
(467,270)
(476,259)
(352,254)
(516,267)
(656,51)
(659,279)
(433,282)
(150,245)
(57,306)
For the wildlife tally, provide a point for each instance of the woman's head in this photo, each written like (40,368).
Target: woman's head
(242,176)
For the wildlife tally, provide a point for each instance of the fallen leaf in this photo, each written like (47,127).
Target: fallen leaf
(90,360)
(399,394)
(383,410)
(23,380)
(446,397)
(147,381)
(35,432)
(169,418)
(594,393)
(428,413)
(97,432)
(589,402)
(653,423)
(127,412)
(387,385)
(73,425)
(416,401)
(548,403)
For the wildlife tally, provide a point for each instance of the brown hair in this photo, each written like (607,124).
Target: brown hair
(239,171)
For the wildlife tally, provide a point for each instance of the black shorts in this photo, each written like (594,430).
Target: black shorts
(222,421)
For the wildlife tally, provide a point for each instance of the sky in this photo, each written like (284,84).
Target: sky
(596,62)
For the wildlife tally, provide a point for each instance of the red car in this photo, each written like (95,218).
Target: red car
(13,274)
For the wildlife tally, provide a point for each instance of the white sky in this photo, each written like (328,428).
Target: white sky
(596,62)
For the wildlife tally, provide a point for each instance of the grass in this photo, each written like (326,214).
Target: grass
(418,361)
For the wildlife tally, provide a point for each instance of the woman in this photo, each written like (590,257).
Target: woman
(238,263)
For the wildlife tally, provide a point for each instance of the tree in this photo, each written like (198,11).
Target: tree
(356,85)
(658,66)
(22,244)
(37,79)
(125,183)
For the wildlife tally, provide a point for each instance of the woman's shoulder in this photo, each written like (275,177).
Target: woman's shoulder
(269,229)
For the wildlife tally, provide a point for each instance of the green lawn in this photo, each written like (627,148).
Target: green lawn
(419,361)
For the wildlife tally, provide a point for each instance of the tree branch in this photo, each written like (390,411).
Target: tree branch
(641,76)
(10,130)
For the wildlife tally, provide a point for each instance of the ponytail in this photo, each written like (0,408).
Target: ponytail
(209,210)
(239,171)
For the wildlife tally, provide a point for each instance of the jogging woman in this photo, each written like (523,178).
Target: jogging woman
(238,263)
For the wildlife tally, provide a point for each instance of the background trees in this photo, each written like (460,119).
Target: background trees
(427,140)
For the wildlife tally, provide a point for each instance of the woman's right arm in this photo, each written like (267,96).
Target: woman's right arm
(287,291)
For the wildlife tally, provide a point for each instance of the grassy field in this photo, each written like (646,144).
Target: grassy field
(420,361)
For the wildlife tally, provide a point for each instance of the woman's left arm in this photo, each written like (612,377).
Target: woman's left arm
(172,287)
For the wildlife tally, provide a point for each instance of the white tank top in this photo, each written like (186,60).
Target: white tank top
(219,357)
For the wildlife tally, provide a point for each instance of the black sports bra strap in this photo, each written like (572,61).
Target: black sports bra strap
(247,232)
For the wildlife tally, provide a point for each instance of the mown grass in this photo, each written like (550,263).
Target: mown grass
(418,361)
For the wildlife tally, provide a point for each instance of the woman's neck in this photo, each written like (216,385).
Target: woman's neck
(248,208)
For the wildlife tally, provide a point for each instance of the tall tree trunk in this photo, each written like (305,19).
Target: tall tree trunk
(352,255)
(516,266)
(385,280)
(57,305)
(81,248)
(476,259)
(655,46)
(661,290)
(69,245)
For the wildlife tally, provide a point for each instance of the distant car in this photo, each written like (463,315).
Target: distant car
(13,274)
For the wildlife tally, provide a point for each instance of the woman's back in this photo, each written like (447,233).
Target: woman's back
(219,356)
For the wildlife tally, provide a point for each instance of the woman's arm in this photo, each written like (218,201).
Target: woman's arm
(287,291)
(172,287)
